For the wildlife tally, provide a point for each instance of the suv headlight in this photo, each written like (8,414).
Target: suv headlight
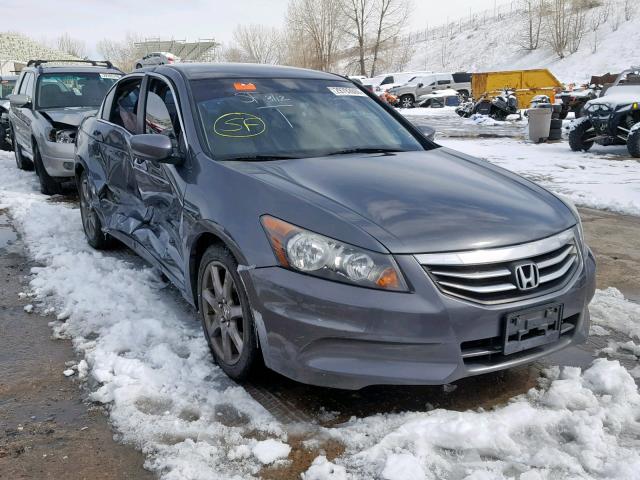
(63,136)
(309,252)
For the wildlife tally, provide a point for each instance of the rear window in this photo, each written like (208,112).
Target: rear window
(243,118)
(6,87)
(58,90)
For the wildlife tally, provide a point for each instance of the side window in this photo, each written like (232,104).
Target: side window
(26,87)
(443,82)
(161,112)
(387,81)
(106,105)
(124,110)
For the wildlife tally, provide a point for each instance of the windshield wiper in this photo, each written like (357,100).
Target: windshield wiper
(364,150)
(259,158)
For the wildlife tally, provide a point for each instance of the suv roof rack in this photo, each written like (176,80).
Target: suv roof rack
(95,63)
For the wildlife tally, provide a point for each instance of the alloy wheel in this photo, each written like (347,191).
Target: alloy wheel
(89,216)
(222,313)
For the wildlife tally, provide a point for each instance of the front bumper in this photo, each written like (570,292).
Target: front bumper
(335,335)
(58,158)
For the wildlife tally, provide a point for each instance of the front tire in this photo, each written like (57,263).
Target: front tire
(225,313)
(406,101)
(581,135)
(48,184)
(633,142)
(91,223)
(138,66)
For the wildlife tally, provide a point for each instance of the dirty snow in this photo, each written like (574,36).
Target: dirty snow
(604,178)
(610,309)
(145,359)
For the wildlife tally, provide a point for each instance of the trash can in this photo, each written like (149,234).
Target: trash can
(540,122)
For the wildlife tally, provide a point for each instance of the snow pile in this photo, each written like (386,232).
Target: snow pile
(603,178)
(610,309)
(268,451)
(483,120)
(576,425)
(144,352)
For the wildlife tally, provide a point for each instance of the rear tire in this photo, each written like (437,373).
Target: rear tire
(138,65)
(406,101)
(580,134)
(633,142)
(225,313)
(4,144)
(91,223)
(48,184)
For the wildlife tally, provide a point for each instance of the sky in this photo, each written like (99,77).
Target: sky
(92,20)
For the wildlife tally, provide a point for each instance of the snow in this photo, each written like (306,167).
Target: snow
(603,178)
(145,357)
(575,425)
(322,469)
(495,45)
(268,451)
(610,309)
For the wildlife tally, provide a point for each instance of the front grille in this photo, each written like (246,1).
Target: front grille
(489,276)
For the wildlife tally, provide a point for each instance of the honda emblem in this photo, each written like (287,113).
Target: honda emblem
(527,276)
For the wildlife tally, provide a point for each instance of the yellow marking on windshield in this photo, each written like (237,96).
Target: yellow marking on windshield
(239,125)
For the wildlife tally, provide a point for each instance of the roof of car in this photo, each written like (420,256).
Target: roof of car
(71,69)
(242,70)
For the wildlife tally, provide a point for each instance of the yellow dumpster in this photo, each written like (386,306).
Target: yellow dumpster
(526,84)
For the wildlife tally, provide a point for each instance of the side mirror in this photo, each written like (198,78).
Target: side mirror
(154,147)
(427,131)
(19,101)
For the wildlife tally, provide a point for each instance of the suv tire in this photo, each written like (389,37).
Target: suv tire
(21,162)
(91,223)
(407,101)
(225,313)
(48,184)
(577,135)
(138,66)
(633,141)
(4,145)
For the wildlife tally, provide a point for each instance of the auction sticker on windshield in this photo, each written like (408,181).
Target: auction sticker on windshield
(347,92)
(110,76)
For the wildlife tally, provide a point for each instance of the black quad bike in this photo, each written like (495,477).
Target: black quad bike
(498,107)
(613,119)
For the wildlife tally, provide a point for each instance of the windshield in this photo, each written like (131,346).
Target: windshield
(6,87)
(292,118)
(58,90)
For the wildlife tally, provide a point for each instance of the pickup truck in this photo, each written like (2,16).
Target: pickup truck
(428,83)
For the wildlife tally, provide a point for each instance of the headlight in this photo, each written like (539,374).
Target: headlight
(315,254)
(62,136)
(572,206)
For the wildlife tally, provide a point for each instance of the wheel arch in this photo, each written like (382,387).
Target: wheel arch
(209,235)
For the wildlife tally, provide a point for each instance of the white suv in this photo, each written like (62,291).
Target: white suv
(429,83)
(157,58)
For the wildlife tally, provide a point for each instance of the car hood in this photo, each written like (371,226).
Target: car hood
(417,202)
(71,116)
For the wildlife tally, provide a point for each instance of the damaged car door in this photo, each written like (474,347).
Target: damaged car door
(111,133)
(159,185)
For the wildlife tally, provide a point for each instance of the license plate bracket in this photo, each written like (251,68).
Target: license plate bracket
(532,328)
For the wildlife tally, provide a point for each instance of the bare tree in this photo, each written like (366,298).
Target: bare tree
(390,17)
(123,53)
(258,44)
(578,27)
(629,9)
(559,26)
(71,46)
(359,15)
(321,23)
(533,11)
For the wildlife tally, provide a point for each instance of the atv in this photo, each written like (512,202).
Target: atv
(613,119)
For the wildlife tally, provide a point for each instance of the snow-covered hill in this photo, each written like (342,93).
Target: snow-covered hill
(494,44)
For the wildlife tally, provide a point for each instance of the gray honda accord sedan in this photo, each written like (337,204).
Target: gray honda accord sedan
(317,231)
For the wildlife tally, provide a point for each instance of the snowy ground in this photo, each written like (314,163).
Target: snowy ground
(145,358)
